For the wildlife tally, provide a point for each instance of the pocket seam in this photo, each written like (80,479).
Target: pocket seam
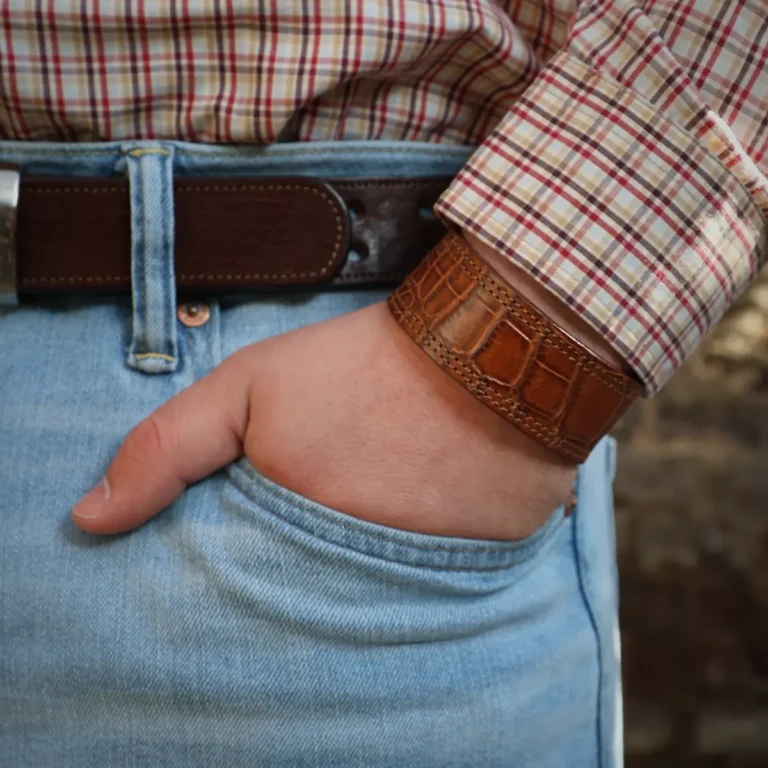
(518,552)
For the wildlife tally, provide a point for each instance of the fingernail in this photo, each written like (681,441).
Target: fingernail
(92,504)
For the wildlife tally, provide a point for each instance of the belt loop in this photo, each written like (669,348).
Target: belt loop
(150,172)
(10,178)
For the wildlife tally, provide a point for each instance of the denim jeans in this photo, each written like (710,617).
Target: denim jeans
(246,625)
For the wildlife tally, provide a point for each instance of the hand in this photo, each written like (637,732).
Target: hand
(349,413)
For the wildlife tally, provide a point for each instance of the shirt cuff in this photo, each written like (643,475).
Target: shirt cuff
(616,210)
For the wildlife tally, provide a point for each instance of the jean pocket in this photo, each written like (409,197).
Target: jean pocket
(372,540)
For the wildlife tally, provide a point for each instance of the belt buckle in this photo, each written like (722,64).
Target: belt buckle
(10,180)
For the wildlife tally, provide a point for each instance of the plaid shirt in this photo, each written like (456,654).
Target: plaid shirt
(623,144)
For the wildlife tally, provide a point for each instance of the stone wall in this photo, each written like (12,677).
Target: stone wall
(692,522)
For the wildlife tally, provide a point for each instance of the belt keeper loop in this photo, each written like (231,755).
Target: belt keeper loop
(10,181)
(154,346)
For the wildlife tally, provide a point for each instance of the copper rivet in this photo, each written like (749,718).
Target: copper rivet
(193,315)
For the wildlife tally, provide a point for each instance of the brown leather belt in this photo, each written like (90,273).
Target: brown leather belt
(74,234)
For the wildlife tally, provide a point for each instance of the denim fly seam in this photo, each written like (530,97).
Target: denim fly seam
(596,562)
(154,347)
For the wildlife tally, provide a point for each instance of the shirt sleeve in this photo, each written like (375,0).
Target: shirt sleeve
(630,177)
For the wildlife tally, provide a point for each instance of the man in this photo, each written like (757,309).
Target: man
(413,565)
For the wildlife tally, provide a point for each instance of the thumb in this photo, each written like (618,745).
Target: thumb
(192,435)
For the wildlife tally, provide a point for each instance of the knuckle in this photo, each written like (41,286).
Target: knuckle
(145,439)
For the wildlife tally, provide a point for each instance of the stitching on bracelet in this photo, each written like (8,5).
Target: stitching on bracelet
(549,333)
(514,410)
(463,371)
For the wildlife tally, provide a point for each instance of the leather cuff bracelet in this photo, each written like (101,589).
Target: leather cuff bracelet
(508,354)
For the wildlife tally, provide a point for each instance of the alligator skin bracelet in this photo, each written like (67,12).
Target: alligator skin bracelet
(508,353)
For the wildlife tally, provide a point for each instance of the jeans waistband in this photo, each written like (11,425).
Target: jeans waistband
(152,166)
(331,159)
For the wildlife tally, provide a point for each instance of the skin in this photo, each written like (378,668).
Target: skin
(349,413)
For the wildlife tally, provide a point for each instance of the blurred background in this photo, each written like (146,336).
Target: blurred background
(692,525)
